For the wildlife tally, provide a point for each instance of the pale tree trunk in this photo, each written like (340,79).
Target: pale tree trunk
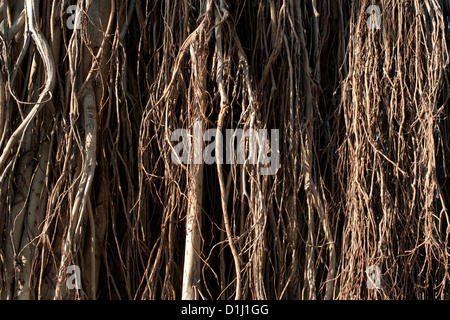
(191,274)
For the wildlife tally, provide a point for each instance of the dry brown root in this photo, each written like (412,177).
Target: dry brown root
(191,273)
(393,119)
(92,72)
(49,63)
(220,16)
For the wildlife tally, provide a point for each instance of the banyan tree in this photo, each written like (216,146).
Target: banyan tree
(116,181)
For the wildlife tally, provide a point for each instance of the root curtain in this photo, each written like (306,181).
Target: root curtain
(91,92)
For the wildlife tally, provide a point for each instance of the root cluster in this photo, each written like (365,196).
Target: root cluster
(87,176)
